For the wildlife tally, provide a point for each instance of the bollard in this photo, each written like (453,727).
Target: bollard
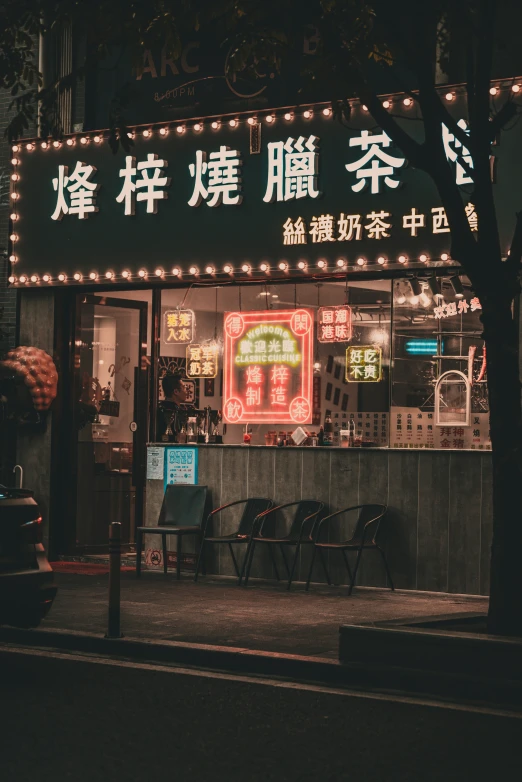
(113,630)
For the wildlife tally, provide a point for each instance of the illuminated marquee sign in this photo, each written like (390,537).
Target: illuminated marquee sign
(178,327)
(202,360)
(268,366)
(363,364)
(334,324)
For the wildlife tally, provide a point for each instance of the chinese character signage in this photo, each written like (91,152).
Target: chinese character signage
(202,360)
(178,327)
(363,364)
(412,427)
(334,324)
(268,366)
(315,191)
(460,307)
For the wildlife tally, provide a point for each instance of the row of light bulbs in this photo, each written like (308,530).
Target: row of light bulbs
(210,270)
(234,122)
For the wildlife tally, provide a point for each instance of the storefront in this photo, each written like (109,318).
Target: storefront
(298,276)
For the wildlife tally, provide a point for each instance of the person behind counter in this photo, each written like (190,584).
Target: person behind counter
(172,414)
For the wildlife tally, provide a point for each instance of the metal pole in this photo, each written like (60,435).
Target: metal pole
(113,629)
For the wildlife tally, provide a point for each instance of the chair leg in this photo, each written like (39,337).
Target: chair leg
(164,543)
(294,563)
(348,568)
(283,555)
(311,568)
(272,557)
(323,563)
(249,556)
(139,546)
(203,564)
(178,557)
(383,555)
(352,582)
(234,561)
(200,559)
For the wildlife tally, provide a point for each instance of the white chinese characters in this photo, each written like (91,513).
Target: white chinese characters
(223,178)
(292,169)
(457,153)
(81,192)
(151,188)
(374,154)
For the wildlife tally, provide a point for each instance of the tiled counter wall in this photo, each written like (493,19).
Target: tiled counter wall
(438,529)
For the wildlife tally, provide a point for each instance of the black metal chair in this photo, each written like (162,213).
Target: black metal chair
(365,536)
(182,513)
(254,506)
(307,513)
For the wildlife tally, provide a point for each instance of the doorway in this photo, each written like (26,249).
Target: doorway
(111,382)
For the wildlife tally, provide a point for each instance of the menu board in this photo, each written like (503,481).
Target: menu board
(268,366)
(412,427)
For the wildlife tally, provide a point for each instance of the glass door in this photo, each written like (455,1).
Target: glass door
(111,414)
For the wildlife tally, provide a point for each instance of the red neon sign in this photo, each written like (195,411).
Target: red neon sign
(334,324)
(268,366)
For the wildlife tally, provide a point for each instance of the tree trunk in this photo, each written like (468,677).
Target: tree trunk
(501,337)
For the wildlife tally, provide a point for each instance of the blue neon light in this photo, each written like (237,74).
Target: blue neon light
(422,347)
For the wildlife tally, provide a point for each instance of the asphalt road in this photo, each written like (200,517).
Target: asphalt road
(91,720)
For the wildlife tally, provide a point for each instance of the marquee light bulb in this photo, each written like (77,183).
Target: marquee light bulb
(364,107)
(283,266)
(77,276)
(29,147)
(386,104)
(13,237)
(193,270)
(23,278)
(402,259)
(228,268)
(15,148)
(125,274)
(97,139)
(158,272)
(142,273)
(93,276)
(233,123)
(407,101)
(84,140)
(381,260)
(515,88)
(61,277)
(46,278)
(13,258)
(15,161)
(56,144)
(321,263)
(109,275)
(44,144)
(251,120)
(360,261)
(269,118)
(449,96)
(289,116)
(198,126)
(129,135)
(11,279)
(307,114)
(210,269)
(327,111)
(301,265)
(69,142)
(214,125)
(13,216)
(163,131)
(15,177)
(264,267)
(246,268)
(14,196)
(423,257)
(493,90)
(147,134)
(34,278)
(444,256)
(341,263)
(180,129)
(176,271)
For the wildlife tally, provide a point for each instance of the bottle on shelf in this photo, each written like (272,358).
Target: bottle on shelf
(328,431)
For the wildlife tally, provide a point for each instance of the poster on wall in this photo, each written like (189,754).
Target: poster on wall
(181,466)
(412,427)
(268,366)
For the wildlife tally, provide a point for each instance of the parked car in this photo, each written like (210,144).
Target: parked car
(27,588)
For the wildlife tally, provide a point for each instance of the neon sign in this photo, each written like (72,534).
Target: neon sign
(364,364)
(268,366)
(334,324)
(202,360)
(178,327)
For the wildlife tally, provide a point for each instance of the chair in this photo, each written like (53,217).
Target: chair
(307,513)
(364,536)
(182,513)
(253,508)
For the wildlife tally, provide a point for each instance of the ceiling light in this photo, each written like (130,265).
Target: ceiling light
(457,287)
(416,286)
(435,287)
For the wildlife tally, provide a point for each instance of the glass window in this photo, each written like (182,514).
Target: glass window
(439,388)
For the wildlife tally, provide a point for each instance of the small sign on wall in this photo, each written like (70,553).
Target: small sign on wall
(181,466)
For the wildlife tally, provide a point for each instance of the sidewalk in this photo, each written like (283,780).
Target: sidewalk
(214,611)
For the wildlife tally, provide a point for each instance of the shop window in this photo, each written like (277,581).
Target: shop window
(439,386)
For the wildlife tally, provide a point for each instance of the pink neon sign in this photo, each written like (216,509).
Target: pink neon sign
(268,366)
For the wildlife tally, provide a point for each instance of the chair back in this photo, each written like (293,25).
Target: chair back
(183,506)
(368,523)
(253,507)
(304,509)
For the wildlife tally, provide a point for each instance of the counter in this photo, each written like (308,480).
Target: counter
(438,529)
